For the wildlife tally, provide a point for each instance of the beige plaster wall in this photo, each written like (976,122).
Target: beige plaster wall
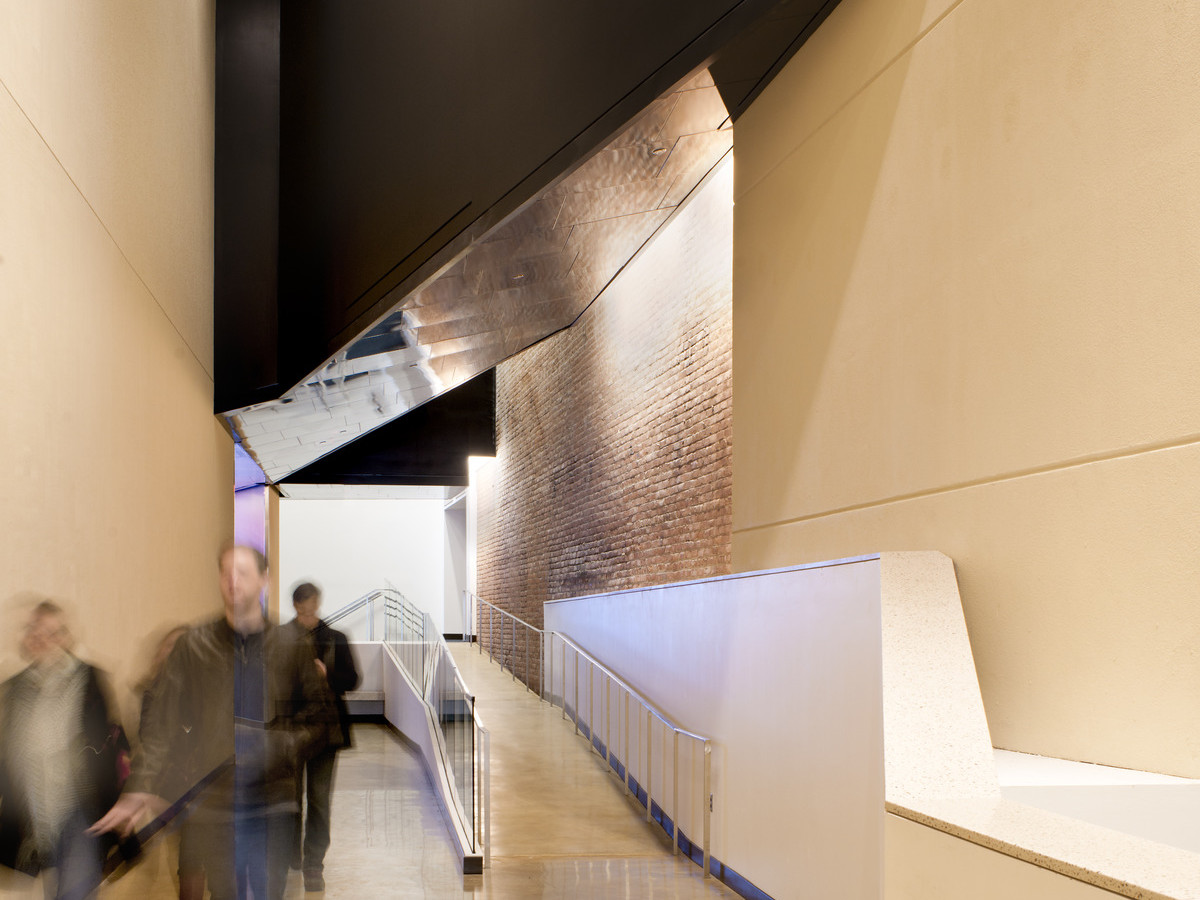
(965,270)
(117,479)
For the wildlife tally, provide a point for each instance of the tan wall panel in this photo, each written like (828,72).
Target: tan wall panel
(982,268)
(1078,589)
(857,41)
(117,478)
(988,269)
(122,91)
(921,863)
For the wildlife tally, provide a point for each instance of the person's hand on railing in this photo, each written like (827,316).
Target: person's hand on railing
(130,809)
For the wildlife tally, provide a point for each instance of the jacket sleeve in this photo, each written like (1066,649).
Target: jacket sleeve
(106,749)
(343,675)
(162,720)
(310,721)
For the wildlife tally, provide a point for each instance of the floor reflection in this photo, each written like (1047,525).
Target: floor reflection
(561,825)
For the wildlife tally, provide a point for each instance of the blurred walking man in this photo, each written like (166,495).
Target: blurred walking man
(335,661)
(239,689)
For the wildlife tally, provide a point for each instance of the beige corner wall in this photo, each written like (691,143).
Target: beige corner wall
(966,240)
(117,479)
(924,864)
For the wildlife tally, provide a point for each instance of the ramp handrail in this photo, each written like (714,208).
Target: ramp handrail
(530,644)
(366,600)
(507,635)
(596,724)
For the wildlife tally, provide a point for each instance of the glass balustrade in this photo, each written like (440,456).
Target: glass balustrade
(415,640)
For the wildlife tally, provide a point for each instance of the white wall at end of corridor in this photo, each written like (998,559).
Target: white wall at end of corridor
(352,546)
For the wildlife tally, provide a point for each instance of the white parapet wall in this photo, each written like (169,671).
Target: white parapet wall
(783,670)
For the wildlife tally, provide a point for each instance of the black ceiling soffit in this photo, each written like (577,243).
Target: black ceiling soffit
(361,146)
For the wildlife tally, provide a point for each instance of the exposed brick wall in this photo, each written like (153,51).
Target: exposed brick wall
(613,465)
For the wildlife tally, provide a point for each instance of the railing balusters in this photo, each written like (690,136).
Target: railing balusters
(640,742)
(553,689)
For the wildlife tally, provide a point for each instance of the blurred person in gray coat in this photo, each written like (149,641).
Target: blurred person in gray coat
(63,757)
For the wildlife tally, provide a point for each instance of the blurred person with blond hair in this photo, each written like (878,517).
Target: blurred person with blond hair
(63,757)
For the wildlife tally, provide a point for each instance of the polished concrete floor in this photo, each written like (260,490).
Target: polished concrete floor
(561,825)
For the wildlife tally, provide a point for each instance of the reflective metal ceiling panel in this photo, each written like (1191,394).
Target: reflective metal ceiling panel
(529,277)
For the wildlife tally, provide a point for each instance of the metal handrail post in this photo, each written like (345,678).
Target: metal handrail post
(577,692)
(491,632)
(628,761)
(527,678)
(663,788)
(591,718)
(649,758)
(707,802)
(477,787)
(675,792)
(607,712)
(487,798)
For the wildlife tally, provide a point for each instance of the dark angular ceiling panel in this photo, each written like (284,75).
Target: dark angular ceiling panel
(452,183)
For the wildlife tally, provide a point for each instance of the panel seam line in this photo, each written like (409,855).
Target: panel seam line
(107,231)
(904,51)
(1017,475)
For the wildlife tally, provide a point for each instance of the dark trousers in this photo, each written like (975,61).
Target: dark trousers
(78,860)
(246,857)
(314,793)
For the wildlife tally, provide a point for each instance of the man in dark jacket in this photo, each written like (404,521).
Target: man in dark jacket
(337,663)
(234,690)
